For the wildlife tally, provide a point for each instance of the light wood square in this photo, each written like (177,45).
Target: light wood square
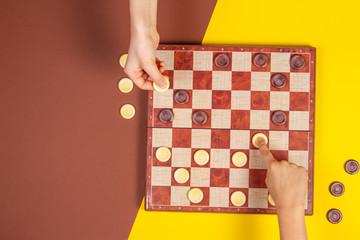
(240,100)
(278,140)
(239,178)
(202,99)
(163,99)
(241,61)
(178,196)
(258,198)
(220,158)
(219,197)
(239,139)
(181,157)
(202,61)
(280,62)
(300,158)
(255,160)
(182,118)
(162,137)
(259,119)
(200,177)
(183,79)
(279,101)
(220,118)
(299,120)
(221,80)
(260,81)
(167,57)
(200,138)
(161,176)
(299,82)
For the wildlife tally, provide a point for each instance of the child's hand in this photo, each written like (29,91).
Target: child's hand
(287,182)
(142,66)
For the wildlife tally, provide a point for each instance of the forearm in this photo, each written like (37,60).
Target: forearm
(292,223)
(143,15)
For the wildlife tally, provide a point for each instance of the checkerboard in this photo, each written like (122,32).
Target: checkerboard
(239,100)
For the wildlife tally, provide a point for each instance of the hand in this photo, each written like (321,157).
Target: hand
(287,182)
(142,66)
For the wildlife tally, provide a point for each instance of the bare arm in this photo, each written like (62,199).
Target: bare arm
(287,184)
(142,66)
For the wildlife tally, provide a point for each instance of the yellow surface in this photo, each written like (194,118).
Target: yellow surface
(332,27)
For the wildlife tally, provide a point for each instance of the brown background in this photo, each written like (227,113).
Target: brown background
(70,166)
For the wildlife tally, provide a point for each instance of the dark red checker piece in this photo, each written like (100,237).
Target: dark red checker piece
(351,166)
(337,189)
(334,216)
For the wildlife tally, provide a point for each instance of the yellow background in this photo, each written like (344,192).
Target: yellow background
(333,28)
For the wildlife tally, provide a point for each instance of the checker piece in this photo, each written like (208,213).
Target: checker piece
(181,97)
(260,60)
(278,80)
(221,60)
(278,118)
(238,198)
(199,117)
(195,195)
(201,157)
(166,116)
(297,62)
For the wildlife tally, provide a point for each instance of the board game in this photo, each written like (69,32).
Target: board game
(218,98)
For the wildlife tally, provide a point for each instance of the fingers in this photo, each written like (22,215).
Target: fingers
(265,153)
(142,83)
(155,74)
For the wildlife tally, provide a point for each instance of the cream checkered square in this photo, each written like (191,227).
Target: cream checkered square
(183,79)
(167,57)
(181,157)
(239,139)
(200,177)
(221,80)
(239,178)
(279,140)
(299,82)
(220,118)
(202,99)
(258,198)
(255,160)
(202,61)
(161,176)
(241,61)
(219,197)
(220,158)
(259,119)
(179,196)
(299,120)
(280,62)
(279,101)
(260,81)
(182,118)
(300,158)
(163,99)
(162,137)
(240,100)
(200,138)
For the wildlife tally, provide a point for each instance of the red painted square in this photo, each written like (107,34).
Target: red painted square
(257,178)
(181,138)
(298,140)
(240,119)
(241,81)
(206,198)
(244,190)
(202,80)
(193,163)
(286,87)
(253,132)
(232,151)
(156,162)
(274,126)
(170,74)
(219,177)
(157,122)
(307,65)
(280,154)
(257,69)
(220,138)
(160,195)
(221,99)
(183,60)
(208,122)
(260,100)
(186,105)
(228,67)
(174,182)
(299,101)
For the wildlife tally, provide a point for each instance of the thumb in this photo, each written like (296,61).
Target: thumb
(265,153)
(154,73)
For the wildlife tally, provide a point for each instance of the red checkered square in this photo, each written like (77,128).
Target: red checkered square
(307,65)
(298,140)
(174,182)
(257,69)
(260,100)
(257,178)
(221,99)
(299,101)
(240,119)
(220,138)
(208,122)
(181,138)
(193,163)
(219,177)
(228,67)
(156,162)
(246,151)
(160,195)
(244,190)
(202,80)
(241,81)
(183,60)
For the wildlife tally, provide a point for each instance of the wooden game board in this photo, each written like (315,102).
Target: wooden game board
(239,101)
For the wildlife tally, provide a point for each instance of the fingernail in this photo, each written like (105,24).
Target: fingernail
(162,85)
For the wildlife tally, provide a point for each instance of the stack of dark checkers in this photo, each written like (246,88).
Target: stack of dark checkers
(199,151)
